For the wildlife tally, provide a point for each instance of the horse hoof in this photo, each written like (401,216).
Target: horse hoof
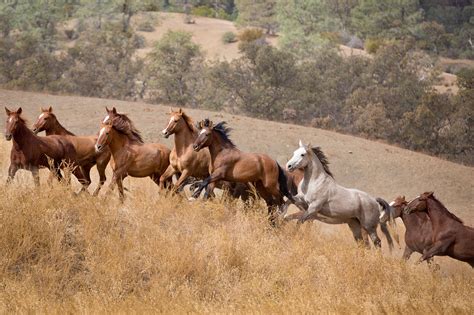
(192,198)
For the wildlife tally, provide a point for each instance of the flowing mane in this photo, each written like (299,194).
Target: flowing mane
(124,125)
(444,210)
(224,133)
(323,159)
(189,122)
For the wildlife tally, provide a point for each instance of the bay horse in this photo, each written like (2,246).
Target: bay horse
(321,198)
(132,157)
(230,164)
(86,155)
(418,228)
(187,162)
(450,236)
(31,152)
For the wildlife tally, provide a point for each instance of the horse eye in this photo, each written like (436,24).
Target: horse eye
(302,154)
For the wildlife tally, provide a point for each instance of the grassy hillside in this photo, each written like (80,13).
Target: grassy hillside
(67,253)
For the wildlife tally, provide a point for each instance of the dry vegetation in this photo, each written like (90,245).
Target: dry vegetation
(66,253)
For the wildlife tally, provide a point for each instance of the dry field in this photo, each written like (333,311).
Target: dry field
(67,253)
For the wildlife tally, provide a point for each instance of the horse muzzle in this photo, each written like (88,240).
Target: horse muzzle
(166,134)
(196,147)
(99,148)
(36,131)
(290,168)
(8,137)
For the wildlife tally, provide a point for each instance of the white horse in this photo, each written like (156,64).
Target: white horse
(321,198)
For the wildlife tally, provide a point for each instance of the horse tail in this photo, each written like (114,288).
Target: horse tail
(387,215)
(283,183)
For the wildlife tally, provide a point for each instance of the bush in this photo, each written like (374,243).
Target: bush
(146,26)
(371,45)
(250,35)
(229,37)
(203,11)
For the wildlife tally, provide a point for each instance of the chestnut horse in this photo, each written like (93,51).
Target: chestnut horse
(132,157)
(230,164)
(450,236)
(31,152)
(418,228)
(86,156)
(187,162)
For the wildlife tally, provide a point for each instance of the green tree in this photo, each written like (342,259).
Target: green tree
(173,68)
(386,18)
(258,13)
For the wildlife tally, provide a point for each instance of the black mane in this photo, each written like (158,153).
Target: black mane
(323,159)
(223,131)
(124,125)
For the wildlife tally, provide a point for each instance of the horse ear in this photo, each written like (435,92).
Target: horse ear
(171,110)
(114,110)
(107,109)
(180,110)
(19,110)
(430,193)
(50,109)
(308,146)
(42,109)
(301,143)
(403,198)
(8,111)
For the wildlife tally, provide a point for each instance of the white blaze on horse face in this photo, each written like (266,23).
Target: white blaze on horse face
(106,119)
(166,129)
(41,116)
(202,131)
(10,119)
(297,159)
(101,133)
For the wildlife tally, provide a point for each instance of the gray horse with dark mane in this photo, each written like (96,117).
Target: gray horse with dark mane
(323,199)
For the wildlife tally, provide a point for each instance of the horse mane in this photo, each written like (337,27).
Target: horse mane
(124,125)
(224,133)
(446,211)
(56,118)
(189,122)
(323,159)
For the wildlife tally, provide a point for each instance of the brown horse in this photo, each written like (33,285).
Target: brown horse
(231,164)
(87,157)
(418,228)
(450,236)
(31,152)
(187,162)
(132,157)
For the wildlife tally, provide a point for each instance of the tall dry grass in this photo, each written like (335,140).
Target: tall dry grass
(67,253)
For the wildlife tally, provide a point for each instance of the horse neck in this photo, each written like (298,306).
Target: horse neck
(58,129)
(217,146)
(183,139)
(436,213)
(315,169)
(117,142)
(23,136)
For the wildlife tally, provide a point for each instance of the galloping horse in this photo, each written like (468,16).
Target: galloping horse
(450,236)
(132,157)
(231,164)
(86,156)
(31,152)
(323,199)
(418,228)
(187,162)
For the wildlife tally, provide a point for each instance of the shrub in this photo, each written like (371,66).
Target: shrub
(203,11)
(146,26)
(229,37)
(250,35)
(373,44)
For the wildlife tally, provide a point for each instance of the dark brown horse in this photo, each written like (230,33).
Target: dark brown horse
(31,152)
(450,236)
(86,155)
(231,164)
(418,228)
(132,157)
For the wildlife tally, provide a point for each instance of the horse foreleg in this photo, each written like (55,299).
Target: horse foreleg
(313,209)
(407,253)
(215,176)
(119,181)
(101,166)
(83,176)
(11,172)
(181,180)
(169,172)
(439,247)
(35,172)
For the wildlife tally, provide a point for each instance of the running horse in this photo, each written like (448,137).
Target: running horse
(31,152)
(189,163)
(418,228)
(230,164)
(86,156)
(132,157)
(321,198)
(450,236)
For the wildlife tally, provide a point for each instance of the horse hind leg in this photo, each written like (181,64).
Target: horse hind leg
(385,231)
(374,237)
(359,234)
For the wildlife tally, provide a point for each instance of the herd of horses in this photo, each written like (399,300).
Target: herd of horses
(205,156)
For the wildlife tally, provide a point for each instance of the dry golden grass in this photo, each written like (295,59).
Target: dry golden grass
(63,253)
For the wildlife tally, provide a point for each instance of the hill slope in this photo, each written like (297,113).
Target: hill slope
(377,168)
